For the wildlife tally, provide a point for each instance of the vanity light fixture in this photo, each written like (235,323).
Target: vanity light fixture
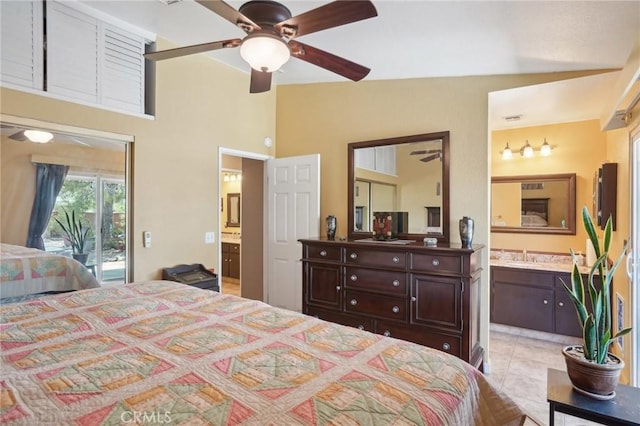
(38,136)
(506,153)
(232,177)
(527,151)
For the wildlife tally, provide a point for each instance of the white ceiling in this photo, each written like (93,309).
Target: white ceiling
(416,39)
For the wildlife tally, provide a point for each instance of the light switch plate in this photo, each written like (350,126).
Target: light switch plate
(146,239)
(209,237)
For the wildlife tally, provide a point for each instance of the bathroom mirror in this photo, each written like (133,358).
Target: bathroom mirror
(233,210)
(535,204)
(402,174)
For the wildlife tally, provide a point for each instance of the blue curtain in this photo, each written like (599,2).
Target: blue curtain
(49,180)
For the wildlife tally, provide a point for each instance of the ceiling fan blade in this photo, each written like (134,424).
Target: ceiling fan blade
(190,50)
(18,136)
(328,16)
(424,151)
(328,61)
(230,14)
(429,158)
(260,81)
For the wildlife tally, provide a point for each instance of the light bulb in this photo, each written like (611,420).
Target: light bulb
(527,151)
(545,149)
(507,154)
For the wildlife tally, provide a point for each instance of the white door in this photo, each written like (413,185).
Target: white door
(293,212)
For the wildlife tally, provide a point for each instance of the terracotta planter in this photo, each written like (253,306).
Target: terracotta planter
(598,381)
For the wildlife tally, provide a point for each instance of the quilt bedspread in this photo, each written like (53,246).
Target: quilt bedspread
(160,352)
(25,271)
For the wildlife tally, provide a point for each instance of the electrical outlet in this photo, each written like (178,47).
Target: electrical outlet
(209,237)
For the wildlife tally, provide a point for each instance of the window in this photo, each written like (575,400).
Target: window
(78,55)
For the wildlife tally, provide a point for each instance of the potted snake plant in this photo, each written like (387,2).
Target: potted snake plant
(77,234)
(593,370)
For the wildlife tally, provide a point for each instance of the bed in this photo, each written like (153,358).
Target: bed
(27,271)
(164,352)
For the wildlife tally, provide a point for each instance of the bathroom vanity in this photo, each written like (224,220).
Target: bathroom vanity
(531,295)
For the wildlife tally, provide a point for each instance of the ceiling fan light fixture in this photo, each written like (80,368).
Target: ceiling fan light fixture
(506,153)
(264,51)
(38,136)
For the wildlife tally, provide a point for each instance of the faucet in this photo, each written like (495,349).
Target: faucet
(524,255)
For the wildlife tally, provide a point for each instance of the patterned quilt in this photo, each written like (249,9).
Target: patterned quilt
(25,271)
(160,352)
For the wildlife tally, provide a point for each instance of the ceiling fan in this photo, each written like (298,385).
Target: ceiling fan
(271,31)
(435,153)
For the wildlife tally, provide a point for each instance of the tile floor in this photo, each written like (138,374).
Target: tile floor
(519,360)
(230,286)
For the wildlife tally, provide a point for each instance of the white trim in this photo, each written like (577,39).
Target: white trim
(63,128)
(73,100)
(81,7)
(634,274)
(244,154)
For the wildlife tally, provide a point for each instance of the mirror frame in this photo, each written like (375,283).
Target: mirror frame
(571,197)
(233,198)
(444,136)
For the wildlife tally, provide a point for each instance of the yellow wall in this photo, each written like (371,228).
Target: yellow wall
(18,184)
(324,118)
(201,105)
(579,147)
(506,200)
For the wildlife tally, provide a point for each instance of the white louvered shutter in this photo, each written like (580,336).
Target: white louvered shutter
(122,76)
(21,45)
(72,53)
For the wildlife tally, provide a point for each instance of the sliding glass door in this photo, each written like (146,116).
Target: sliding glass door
(100,203)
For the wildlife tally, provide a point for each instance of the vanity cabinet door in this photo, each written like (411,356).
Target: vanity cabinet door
(522,306)
(322,284)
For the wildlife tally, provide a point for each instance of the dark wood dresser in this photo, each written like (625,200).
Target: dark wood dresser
(426,295)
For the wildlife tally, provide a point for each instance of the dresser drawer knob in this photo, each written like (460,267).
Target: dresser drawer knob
(354,277)
(396,283)
(413,298)
(387,333)
(323,253)
(353,302)
(395,309)
(353,256)
(338,288)
(446,346)
(545,301)
(560,304)
(361,327)
(396,259)
(435,262)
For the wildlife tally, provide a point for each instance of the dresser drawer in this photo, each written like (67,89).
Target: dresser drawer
(376,305)
(448,343)
(339,318)
(324,253)
(381,259)
(394,282)
(436,263)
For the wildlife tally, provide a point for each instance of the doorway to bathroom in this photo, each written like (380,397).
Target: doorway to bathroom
(231,223)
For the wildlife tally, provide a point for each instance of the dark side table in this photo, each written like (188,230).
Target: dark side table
(624,409)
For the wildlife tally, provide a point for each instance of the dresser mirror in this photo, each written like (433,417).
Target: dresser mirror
(402,174)
(536,204)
